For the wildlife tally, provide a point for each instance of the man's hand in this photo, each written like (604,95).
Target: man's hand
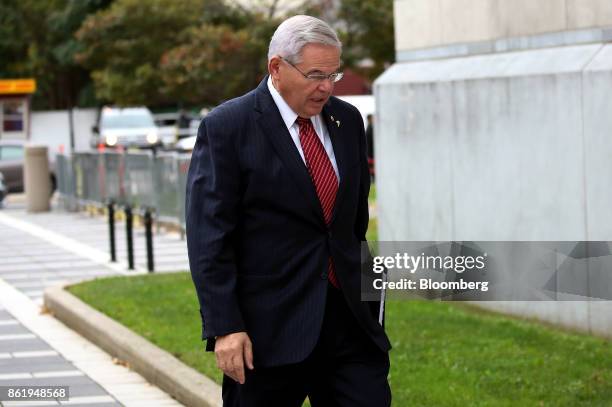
(233,351)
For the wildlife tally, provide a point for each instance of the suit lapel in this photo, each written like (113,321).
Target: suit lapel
(272,126)
(332,120)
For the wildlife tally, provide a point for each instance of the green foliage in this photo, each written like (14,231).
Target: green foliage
(13,50)
(123,44)
(165,52)
(37,40)
(214,63)
(162,51)
(365,28)
(446,355)
(368,32)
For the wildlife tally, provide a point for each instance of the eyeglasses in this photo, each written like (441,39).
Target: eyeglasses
(317,76)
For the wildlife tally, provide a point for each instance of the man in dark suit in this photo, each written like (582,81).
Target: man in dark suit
(277,208)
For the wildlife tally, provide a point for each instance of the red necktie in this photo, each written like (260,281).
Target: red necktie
(323,177)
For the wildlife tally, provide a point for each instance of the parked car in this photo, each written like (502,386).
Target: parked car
(185,144)
(174,126)
(3,190)
(12,157)
(166,126)
(127,127)
(187,140)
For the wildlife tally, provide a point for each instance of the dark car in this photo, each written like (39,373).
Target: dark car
(12,153)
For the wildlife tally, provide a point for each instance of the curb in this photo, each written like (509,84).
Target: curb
(157,366)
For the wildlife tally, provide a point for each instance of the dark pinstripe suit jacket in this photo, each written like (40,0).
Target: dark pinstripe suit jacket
(258,244)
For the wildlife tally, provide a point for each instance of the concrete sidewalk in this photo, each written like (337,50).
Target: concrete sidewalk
(42,250)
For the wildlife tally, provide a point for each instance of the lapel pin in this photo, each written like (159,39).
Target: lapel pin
(337,121)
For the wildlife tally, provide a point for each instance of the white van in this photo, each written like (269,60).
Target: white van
(127,127)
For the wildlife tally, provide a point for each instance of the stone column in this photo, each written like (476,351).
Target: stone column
(37,180)
(495,123)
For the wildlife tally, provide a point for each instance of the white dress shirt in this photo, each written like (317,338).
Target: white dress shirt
(289,118)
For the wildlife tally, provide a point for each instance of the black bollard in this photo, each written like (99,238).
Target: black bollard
(148,223)
(111,230)
(129,223)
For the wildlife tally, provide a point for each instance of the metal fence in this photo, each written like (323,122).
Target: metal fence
(140,180)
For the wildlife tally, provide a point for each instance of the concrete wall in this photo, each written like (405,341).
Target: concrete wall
(432,23)
(597,116)
(504,146)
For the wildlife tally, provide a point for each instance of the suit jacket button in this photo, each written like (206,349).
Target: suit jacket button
(323,276)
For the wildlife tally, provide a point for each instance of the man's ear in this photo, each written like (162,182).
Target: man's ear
(274,67)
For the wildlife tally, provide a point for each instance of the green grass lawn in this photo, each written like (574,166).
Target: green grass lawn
(444,354)
(372,194)
(372,233)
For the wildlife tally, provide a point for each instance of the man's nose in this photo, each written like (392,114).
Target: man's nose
(326,85)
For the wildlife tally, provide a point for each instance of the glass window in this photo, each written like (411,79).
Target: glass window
(11,152)
(13,115)
(127,120)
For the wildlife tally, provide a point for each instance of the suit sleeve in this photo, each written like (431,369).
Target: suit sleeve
(212,201)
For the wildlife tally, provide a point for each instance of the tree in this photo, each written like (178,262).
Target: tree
(369,32)
(123,45)
(13,47)
(152,52)
(194,51)
(37,40)
(365,28)
(216,62)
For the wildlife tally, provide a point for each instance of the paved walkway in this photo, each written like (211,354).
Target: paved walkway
(40,250)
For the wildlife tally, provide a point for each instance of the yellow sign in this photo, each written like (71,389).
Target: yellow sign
(17,86)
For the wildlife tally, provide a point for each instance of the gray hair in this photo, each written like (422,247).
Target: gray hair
(296,32)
